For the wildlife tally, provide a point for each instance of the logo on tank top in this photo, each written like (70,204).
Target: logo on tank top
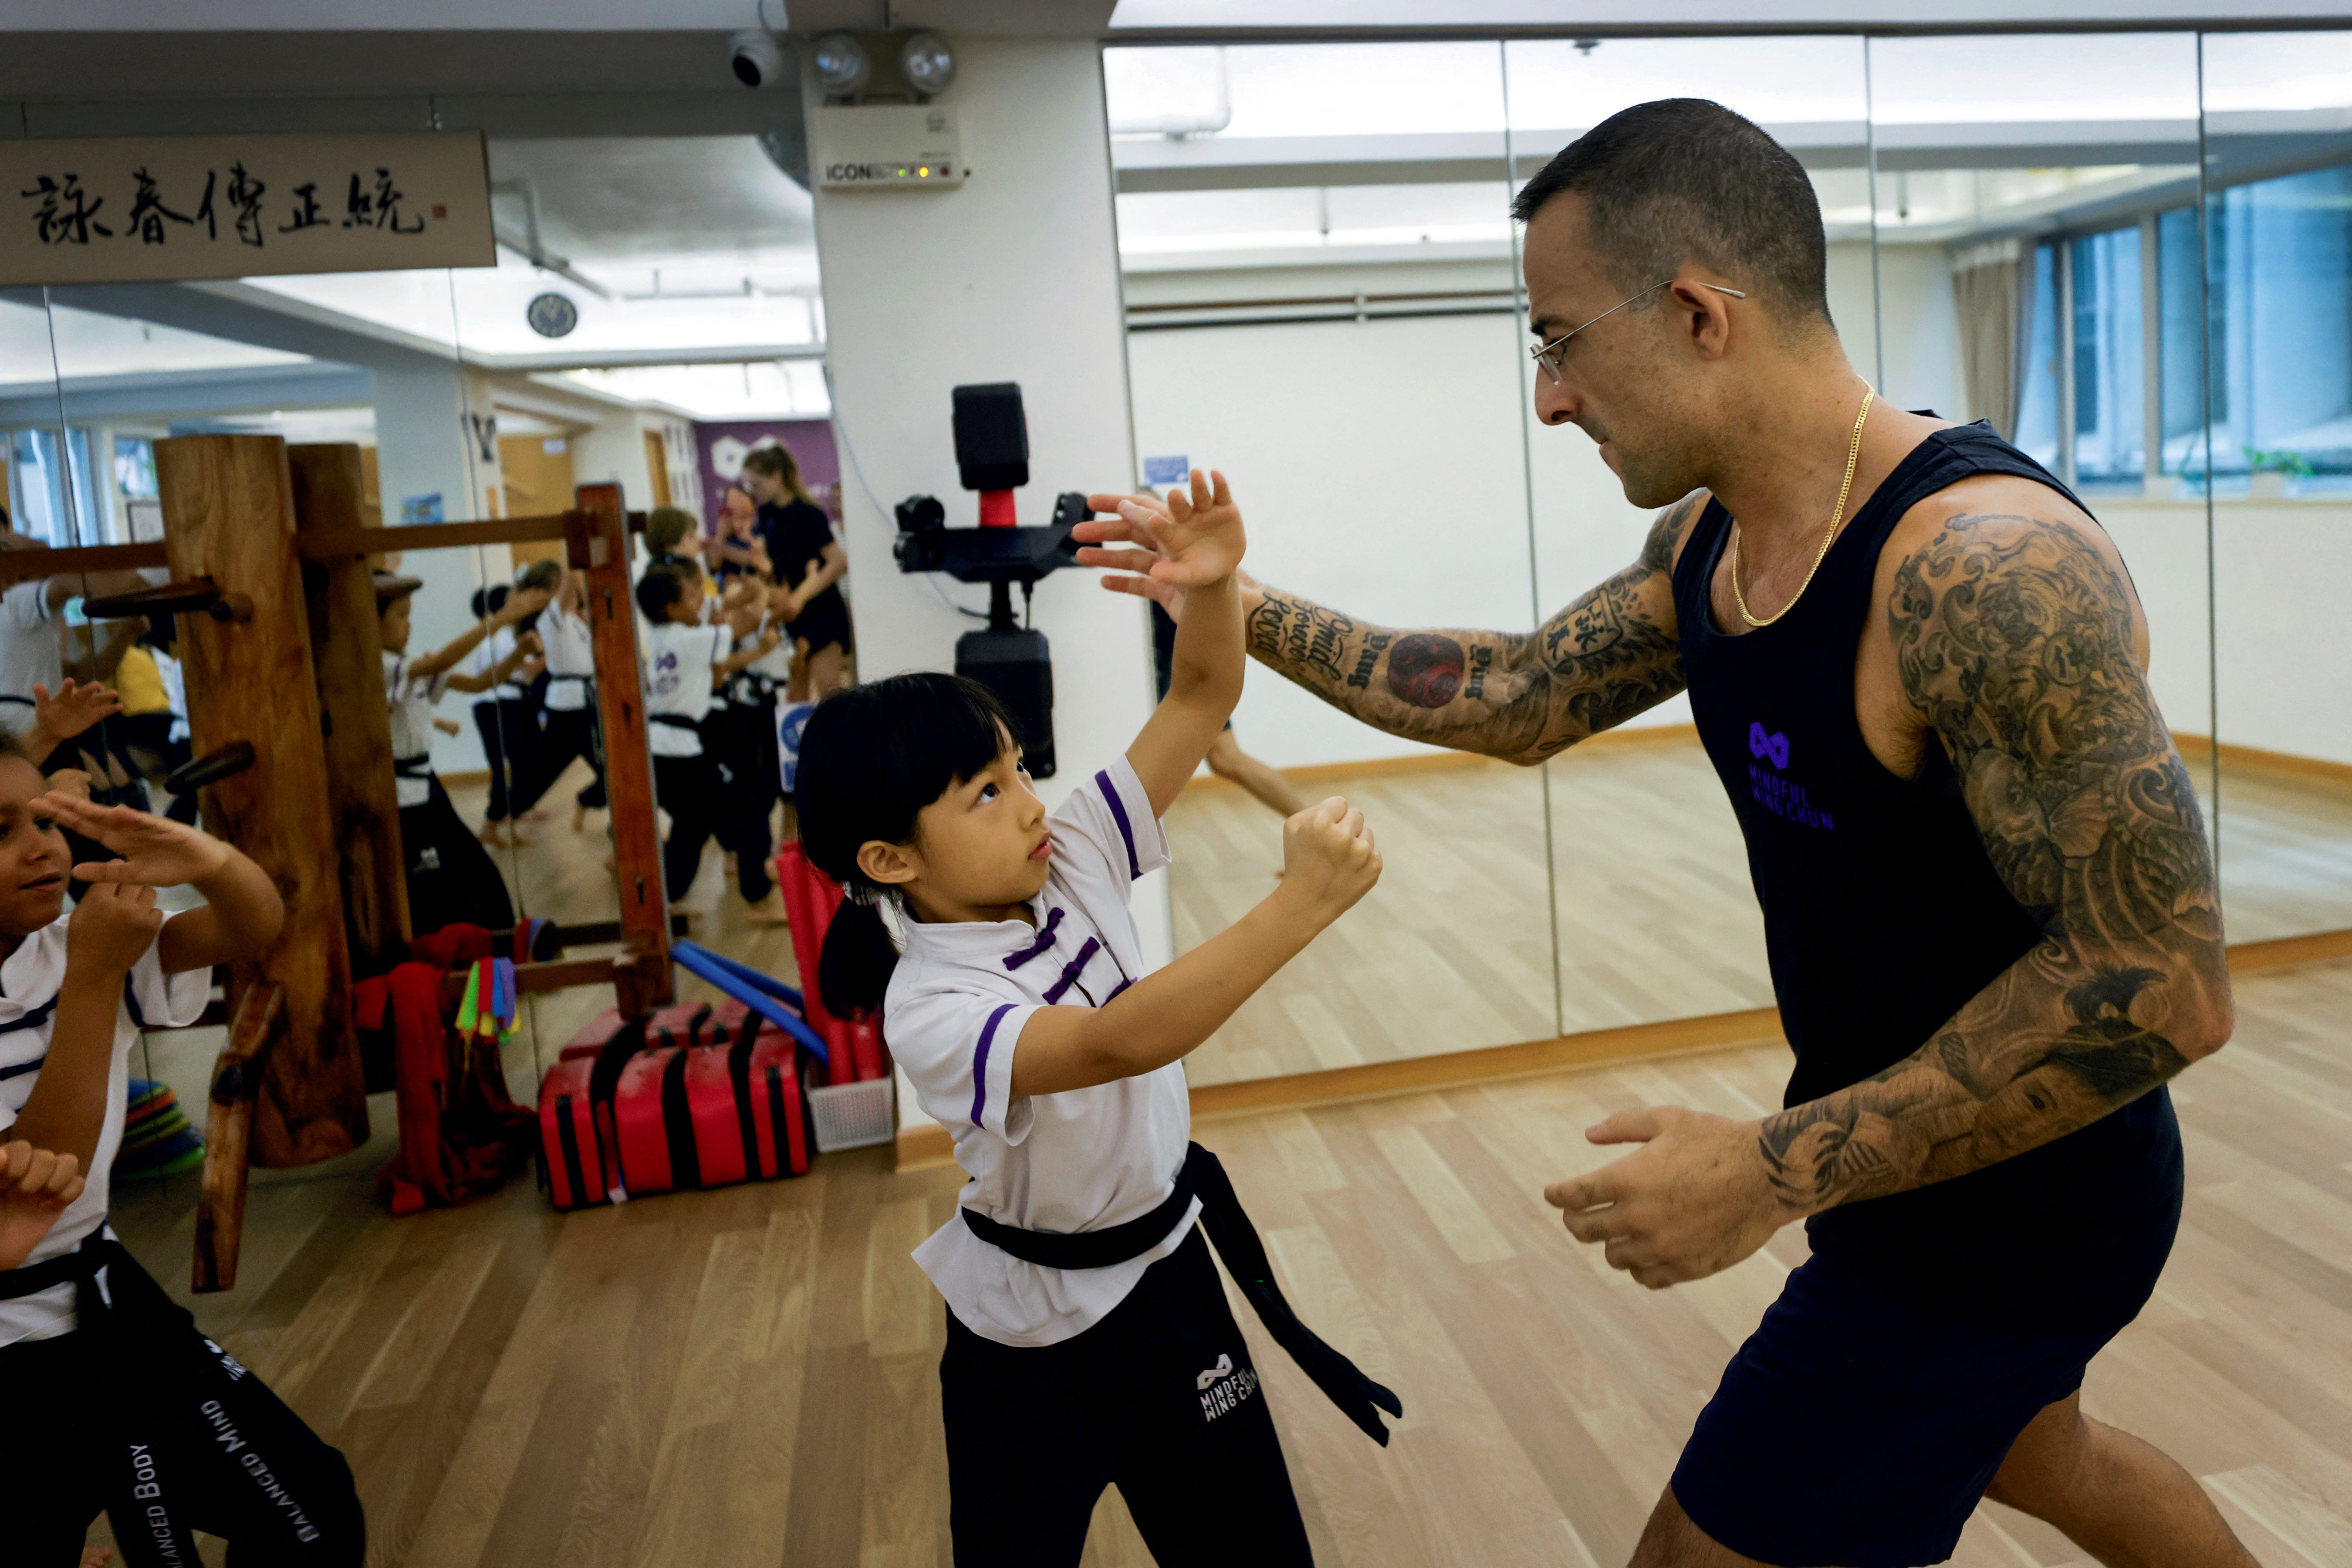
(1222,1388)
(1782,796)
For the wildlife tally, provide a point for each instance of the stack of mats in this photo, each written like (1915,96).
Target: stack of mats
(157,1140)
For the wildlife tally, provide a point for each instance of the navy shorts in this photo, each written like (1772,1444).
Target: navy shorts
(1860,1428)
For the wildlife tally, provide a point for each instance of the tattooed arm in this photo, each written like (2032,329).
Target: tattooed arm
(1521,697)
(1597,663)
(2012,636)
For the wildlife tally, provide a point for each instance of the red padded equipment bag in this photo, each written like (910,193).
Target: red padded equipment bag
(579,1162)
(743,1102)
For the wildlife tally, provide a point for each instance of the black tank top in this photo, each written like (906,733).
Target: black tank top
(1883,915)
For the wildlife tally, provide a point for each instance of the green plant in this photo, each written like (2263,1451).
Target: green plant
(2294,465)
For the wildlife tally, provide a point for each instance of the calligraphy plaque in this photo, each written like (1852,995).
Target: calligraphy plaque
(148,208)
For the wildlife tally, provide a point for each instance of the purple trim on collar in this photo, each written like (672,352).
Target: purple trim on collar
(980,1063)
(1072,970)
(1044,940)
(1119,815)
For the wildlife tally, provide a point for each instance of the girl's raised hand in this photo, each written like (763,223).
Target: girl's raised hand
(154,850)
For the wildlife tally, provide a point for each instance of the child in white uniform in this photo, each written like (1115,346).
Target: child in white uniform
(1089,1339)
(451,878)
(686,663)
(142,1417)
(569,728)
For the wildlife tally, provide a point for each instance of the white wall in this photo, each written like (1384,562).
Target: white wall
(1378,465)
(1013,276)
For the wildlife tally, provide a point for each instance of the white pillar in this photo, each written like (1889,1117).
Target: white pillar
(1012,277)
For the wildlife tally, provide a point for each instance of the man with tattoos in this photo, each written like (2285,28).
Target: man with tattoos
(1916,663)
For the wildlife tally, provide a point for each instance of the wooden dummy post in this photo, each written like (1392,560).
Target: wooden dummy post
(228,515)
(599,549)
(348,657)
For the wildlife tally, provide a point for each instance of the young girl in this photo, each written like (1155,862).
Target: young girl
(1089,1339)
(451,878)
(686,663)
(142,1417)
(804,557)
(498,676)
(568,706)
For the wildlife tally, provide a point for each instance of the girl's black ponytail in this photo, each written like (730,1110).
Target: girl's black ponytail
(855,969)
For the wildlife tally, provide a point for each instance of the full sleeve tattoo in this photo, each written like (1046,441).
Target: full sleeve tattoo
(1519,696)
(2012,636)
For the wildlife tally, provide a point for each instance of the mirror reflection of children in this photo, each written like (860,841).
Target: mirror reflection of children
(498,675)
(686,663)
(451,878)
(1089,1342)
(117,1373)
(568,730)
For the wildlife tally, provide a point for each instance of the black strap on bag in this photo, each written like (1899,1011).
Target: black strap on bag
(677,1125)
(567,1138)
(738,1077)
(1237,1241)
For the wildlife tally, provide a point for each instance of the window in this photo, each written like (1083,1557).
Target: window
(2037,408)
(2109,341)
(2180,344)
(2282,325)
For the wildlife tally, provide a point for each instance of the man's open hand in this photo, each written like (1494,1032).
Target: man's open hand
(1692,1200)
(1190,540)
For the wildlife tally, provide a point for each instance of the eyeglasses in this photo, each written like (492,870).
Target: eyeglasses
(1548,354)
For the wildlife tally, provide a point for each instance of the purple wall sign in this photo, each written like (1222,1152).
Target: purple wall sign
(720,450)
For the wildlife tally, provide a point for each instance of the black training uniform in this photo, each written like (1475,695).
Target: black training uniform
(1862,1421)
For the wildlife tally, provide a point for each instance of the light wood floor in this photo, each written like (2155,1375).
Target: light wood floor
(748,1377)
(1656,919)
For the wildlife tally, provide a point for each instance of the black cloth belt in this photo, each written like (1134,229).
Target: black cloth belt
(78,1266)
(676,721)
(1237,1241)
(419,766)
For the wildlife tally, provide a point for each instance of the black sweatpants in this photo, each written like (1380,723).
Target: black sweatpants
(451,877)
(570,733)
(166,1434)
(744,736)
(509,731)
(703,803)
(1159,1399)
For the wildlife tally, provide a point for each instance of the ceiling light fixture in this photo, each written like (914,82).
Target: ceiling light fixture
(841,66)
(928,64)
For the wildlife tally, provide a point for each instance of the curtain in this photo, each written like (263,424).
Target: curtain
(1992,293)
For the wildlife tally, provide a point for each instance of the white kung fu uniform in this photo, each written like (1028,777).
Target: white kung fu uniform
(29,654)
(570,730)
(696,786)
(138,1407)
(1089,1342)
(451,878)
(1080,1160)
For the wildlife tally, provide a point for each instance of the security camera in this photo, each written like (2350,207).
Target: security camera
(757,58)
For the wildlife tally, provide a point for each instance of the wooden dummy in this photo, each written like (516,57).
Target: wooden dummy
(228,516)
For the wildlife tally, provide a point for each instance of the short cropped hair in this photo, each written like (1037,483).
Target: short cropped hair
(661,586)
(667,528)
(1683,179)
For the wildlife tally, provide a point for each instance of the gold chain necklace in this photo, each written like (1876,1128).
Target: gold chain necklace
(1852,455)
